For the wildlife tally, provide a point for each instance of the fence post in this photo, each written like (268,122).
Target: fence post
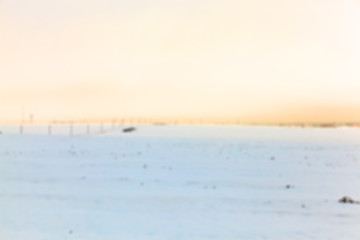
(49,130)
(21,130)
(71,130)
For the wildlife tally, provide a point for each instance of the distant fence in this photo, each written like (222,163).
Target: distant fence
(69,129)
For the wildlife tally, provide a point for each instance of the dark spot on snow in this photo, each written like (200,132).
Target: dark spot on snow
(71,231)
(288,186)
(129,129)
(303,205)
(347,199)
(272,158)
(145,166)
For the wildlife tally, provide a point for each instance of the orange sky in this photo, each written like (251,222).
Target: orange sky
(254,61)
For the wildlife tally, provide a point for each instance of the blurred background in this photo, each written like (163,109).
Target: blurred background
(233,61)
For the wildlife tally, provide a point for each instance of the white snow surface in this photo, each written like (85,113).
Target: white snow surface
(180,182)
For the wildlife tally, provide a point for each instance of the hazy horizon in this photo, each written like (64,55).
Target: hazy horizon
(248,61)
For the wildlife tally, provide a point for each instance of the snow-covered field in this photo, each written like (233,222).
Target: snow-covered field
(180,182)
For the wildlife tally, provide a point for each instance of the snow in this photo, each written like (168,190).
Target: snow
(179,182)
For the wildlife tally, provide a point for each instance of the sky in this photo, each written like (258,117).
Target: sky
(251,61)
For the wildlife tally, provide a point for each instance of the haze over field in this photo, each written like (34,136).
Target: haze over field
(254,61)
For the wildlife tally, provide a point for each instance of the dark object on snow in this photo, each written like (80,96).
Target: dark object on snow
(347,199)
(129,129)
